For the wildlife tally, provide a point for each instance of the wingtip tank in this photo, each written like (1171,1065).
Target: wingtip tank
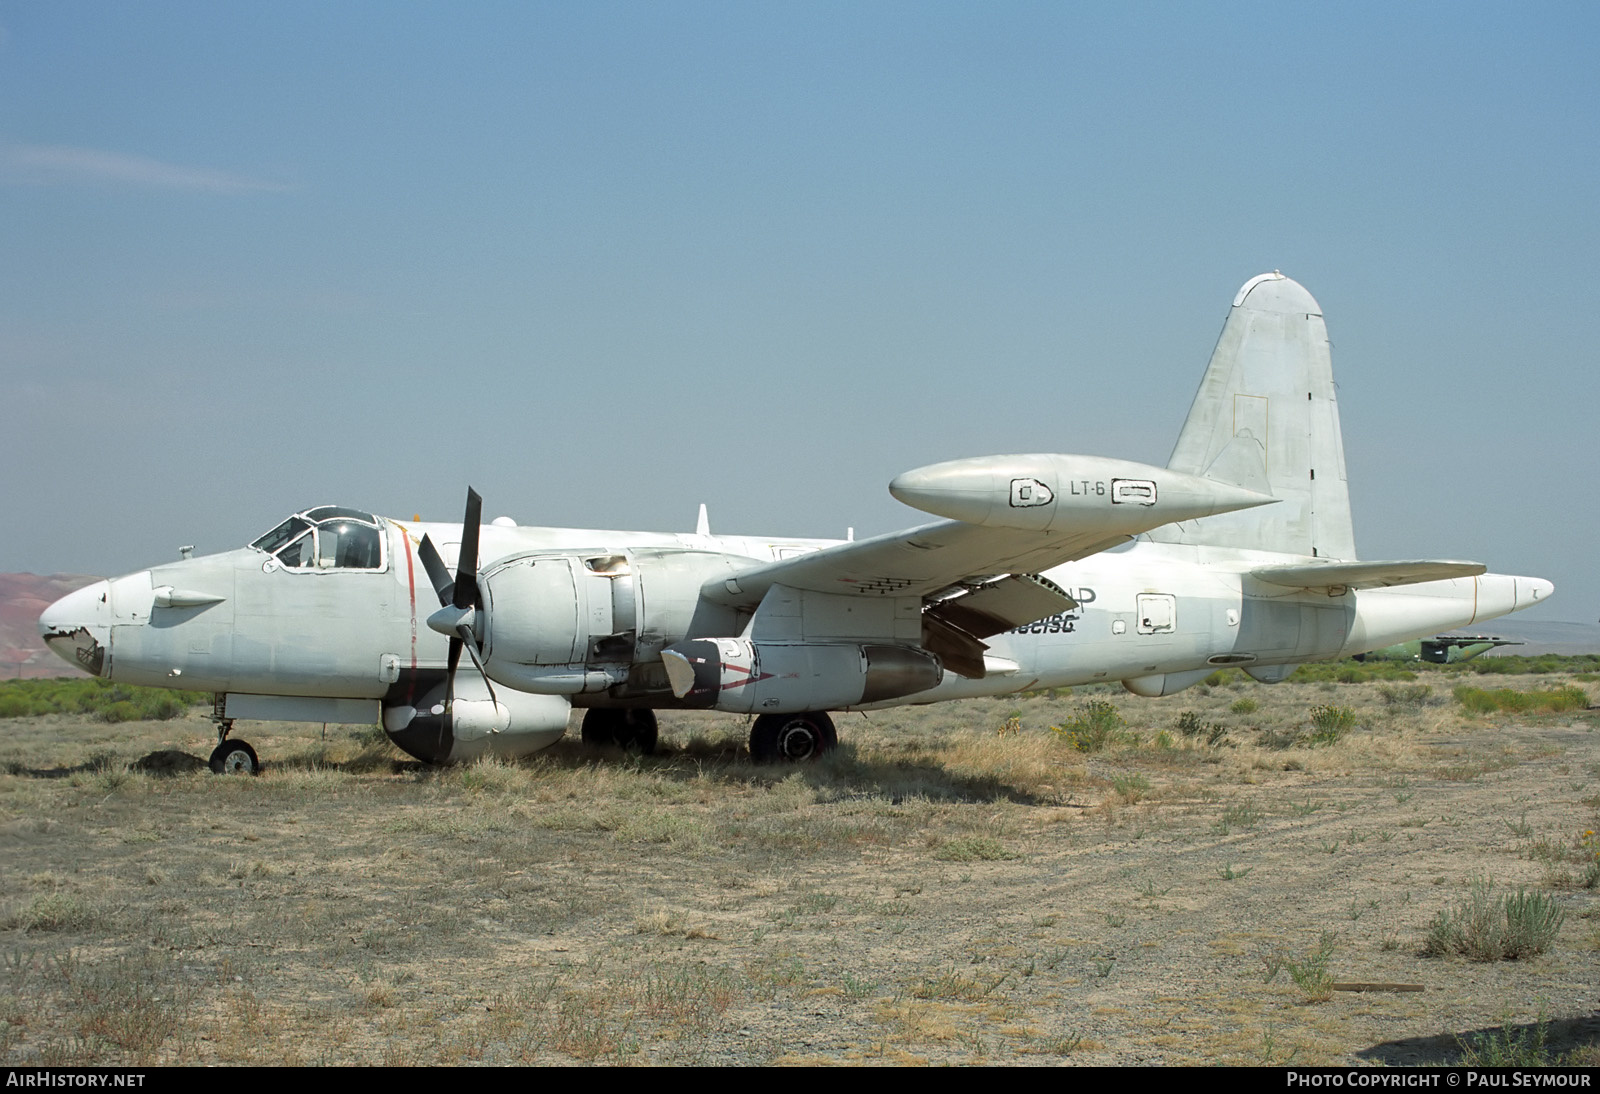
(1049,491)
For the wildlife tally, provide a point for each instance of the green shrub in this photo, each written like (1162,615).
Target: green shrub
(1330,723)
(1310,973)
(1353,672)
(1509,1047)
(1401,695)
(99,699)
(1190,725)
(1519,665)
(1486,927)
(1096,725)
(1543,701)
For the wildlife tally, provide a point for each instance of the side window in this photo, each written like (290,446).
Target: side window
(297,555)
(346,545)
(280,535)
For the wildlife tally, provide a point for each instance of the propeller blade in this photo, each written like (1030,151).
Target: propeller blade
(443,583)
(466,590)
(477,662)
(450,687)
(455,659)
(462,593)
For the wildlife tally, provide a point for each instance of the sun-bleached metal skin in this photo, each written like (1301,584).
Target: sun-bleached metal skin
(1047,570)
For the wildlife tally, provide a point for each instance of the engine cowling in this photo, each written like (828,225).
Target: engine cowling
(741,676)
(580,621)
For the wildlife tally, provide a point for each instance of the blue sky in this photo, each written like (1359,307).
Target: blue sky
(607,261)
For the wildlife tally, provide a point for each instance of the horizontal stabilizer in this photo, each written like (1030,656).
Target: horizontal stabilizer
(1365,575)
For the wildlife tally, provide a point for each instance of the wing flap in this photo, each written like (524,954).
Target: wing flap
(1366,575)
(1012,601)
(961,653)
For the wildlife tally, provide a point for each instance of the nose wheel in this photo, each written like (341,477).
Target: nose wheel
(233,757)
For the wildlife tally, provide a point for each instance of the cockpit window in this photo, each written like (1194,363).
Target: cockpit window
(347,545)
(330,512)
(328,537)
(280,535)
(299,553)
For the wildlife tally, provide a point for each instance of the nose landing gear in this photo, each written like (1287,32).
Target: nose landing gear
(232,757)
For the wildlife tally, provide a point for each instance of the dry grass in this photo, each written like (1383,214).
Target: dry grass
(936,890)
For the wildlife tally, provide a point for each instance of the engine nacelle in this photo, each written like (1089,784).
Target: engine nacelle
(740,676)
(578,621)
(536,611)
(509,725)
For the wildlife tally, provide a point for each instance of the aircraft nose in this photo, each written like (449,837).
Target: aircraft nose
(78,626)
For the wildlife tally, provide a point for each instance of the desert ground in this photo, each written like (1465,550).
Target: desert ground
(1211,881)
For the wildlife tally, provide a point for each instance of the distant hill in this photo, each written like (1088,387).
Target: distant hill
(23,653)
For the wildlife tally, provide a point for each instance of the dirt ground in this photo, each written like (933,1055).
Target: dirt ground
(956,884)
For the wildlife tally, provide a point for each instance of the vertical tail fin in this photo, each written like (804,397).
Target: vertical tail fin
(1266,418)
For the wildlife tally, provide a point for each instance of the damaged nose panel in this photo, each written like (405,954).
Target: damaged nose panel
(78,627)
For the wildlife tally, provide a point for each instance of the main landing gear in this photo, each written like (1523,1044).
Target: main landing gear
(233,757)
(791,738)
(774,738)
(627,729)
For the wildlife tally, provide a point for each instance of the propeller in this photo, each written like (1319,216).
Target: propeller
(459,597)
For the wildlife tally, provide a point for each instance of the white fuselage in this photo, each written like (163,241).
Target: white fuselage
(1145,611)
(1152,610)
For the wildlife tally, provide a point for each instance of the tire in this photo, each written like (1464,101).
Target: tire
(629,729)
(235,758)
(791,738)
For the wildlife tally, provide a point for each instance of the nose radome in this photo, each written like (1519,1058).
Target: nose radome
(78,626)
(85,607)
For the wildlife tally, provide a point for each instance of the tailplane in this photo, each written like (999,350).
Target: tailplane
(1266,418)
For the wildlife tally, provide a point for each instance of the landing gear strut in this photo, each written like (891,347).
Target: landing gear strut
(627,728)
(231,757)
(791,738)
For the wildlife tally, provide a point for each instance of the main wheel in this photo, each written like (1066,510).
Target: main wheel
(627,728)
(235,758)
(791,738)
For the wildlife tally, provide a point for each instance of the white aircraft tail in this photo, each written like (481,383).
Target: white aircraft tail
(1266,418)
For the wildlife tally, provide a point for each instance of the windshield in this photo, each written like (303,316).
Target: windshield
(282,534)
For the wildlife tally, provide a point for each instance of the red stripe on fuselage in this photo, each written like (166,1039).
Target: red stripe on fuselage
(411,589)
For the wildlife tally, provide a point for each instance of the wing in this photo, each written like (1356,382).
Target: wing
(915,562)
(948,585)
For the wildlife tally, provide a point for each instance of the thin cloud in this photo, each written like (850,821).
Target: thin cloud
(44,164)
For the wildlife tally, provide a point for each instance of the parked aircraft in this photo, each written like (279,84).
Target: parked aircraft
(1047,571)
(1441,649)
